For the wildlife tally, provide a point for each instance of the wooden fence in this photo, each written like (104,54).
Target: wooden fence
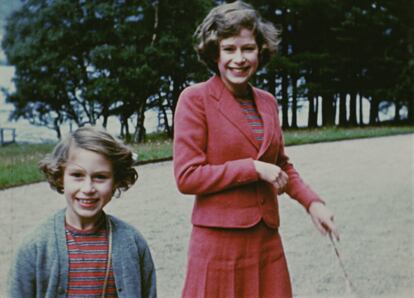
(7,136)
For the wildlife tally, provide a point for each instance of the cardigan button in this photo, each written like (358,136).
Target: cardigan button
(262,200)
(61,290)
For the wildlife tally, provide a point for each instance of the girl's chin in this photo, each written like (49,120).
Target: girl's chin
(239,74)
(239,80)
(239,77)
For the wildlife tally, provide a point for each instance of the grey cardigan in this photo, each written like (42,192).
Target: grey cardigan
(40,267)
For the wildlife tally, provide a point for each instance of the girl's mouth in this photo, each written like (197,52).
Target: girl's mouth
(238,70)
(88,203)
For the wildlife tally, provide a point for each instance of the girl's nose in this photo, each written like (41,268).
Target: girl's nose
(239,57)
(88,186)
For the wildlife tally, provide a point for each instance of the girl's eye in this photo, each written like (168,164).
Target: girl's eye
(101,177)
(76,174)
(250,49)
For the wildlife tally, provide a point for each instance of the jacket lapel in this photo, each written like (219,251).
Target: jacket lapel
(230,108)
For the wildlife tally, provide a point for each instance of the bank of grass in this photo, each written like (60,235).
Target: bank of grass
(18,162)
(329,134)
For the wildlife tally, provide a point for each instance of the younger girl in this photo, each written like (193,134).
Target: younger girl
(81,251)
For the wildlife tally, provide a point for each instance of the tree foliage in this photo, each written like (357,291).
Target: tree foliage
(81,61)
(84,60)
(339,51)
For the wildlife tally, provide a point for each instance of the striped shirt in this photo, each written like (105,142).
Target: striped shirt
(88,255)
(253,118)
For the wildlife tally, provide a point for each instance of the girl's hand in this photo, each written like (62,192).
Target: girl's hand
(271,173)
(323,218)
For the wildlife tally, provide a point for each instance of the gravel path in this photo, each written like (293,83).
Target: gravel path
(369,184)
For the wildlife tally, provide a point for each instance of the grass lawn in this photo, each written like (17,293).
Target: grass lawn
(329,134)
(18,162)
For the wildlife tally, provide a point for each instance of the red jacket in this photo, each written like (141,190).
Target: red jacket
(214,149)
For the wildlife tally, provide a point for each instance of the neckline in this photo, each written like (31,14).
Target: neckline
(100,225)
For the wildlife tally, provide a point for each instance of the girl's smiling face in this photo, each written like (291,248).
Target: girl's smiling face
(88,183)
(238,61)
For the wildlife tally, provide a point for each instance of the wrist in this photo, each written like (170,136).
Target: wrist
(315,204)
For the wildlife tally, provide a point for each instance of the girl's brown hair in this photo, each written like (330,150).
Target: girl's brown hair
(227,20)
(96,140)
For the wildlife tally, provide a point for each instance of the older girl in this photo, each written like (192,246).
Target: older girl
(229,152)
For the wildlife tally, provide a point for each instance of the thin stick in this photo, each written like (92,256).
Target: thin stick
(349,286)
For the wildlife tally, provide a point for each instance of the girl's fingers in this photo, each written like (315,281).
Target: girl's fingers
(323,219)
(319,226)
(330,228)
(281,181)
(334,232)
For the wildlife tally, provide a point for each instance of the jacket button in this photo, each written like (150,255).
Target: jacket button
(262,200)
(61,290)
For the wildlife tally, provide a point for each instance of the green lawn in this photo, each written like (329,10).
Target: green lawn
(306,136)
(18,162)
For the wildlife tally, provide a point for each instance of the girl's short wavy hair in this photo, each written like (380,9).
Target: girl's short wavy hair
(227,20)
(96,140)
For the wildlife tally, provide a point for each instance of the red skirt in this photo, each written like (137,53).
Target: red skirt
(226,263)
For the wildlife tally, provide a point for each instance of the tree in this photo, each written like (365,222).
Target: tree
(84,61)
(175,58)
(345,51)
(50,44)
(101,58)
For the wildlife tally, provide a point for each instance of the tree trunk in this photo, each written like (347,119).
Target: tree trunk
(165,117)
(312,113)
(397,117)
(342,109)
(361,110)
(91,114)
(410,107)
(327,110)
(124,127)
(285,101)
(373,112)
(284,73)
(294,123)
(121,131)
(139,135)
(56,126)
(178,86)
(352,109)
(271,82)
(105,120)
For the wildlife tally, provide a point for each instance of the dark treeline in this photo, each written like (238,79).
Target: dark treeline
(81,60)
